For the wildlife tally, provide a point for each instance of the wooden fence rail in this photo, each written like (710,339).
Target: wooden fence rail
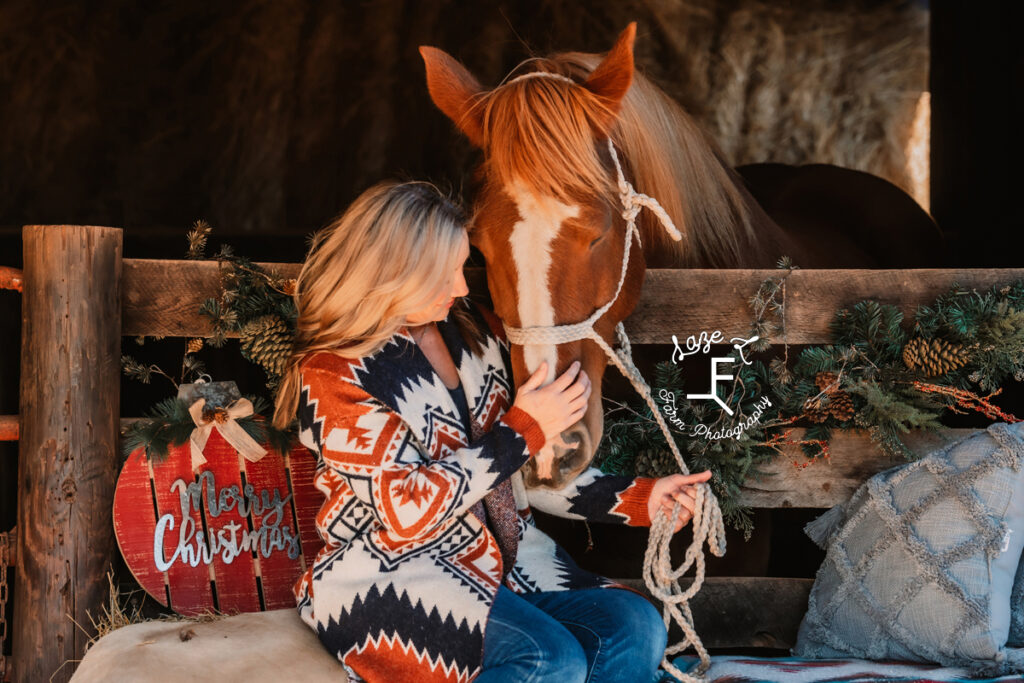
(162,297)
(9,428)
(80,297)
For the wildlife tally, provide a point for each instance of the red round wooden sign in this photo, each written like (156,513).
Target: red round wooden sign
(231,536)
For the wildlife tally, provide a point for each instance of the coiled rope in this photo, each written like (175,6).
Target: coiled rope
(707,525)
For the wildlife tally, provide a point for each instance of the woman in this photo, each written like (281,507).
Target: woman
(432,568)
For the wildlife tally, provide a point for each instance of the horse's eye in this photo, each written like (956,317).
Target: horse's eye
(596,240)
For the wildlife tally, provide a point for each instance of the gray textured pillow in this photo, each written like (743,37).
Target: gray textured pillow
(921,561)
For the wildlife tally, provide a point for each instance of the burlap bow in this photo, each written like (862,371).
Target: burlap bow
(224,419)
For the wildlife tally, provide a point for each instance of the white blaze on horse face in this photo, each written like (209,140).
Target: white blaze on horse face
(530,239)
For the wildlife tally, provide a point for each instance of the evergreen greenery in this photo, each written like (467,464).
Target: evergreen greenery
(169,424)
(982,330)
(258,307)
(254,304)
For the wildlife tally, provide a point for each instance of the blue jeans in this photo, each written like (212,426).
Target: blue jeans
(599,635)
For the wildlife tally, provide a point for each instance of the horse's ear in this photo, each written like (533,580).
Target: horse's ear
(454,91)
(611,79)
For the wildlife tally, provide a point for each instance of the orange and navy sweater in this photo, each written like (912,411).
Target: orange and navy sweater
(403,586)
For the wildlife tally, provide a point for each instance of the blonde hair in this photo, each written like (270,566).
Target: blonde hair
(386,257)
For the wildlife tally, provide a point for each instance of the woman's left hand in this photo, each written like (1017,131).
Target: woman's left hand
(676,488)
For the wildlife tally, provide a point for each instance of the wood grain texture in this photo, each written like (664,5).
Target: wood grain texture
(235,580)
(9,428)
(823,483)
(684,302)
(189,586)
(135,524)
(162,297)
(743,611)
(307,500)
(68,448)
(12,547)
(252,519)
(278,572)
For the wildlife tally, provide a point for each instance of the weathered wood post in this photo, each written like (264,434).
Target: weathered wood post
(68,453)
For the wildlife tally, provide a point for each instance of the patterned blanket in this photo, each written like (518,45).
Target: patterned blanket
(729,669)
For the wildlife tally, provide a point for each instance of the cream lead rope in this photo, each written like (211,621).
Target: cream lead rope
(659,576)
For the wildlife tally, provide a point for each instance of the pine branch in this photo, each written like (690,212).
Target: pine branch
(197,240)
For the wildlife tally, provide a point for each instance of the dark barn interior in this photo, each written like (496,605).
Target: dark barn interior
(267,118)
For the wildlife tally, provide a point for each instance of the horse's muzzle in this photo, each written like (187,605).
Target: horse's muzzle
(559,463)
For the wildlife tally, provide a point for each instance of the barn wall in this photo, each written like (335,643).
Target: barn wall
(271,116)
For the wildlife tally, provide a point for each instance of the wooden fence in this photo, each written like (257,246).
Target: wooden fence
(80,297)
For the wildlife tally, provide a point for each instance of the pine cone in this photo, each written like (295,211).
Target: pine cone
(815,411)
(654,463)
(841,406)
(268,342)
(824,379)
(934,357)
(195,344)
(642,464)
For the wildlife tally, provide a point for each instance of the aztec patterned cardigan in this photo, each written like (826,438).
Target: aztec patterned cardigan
(403,587)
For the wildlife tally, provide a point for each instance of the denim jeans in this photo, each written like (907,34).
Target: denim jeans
(598,635)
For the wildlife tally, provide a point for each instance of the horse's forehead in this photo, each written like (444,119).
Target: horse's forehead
(530,239)
(539,213)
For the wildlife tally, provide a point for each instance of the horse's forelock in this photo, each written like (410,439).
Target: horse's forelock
(678,164)
(539,133)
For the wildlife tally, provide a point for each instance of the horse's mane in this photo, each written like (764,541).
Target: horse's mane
(539,133)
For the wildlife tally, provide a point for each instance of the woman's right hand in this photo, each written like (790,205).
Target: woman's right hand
(559,405)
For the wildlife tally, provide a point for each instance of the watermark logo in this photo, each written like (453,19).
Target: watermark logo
(702,344)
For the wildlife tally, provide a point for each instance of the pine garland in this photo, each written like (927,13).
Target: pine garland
(256,304)
(168,424)
(259,307)
(634,444)
(964,342)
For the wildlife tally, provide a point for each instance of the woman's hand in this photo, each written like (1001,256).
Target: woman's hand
(559,405)
(676,487)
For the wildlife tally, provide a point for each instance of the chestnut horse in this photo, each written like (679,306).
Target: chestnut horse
(548,219)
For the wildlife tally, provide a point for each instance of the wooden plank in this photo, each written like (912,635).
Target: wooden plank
(827,482)
(135,522)
(684,302)
(235,580)
(278,572)
(307,499)
(68,449)
(162,297)
(733,612)
(187,577)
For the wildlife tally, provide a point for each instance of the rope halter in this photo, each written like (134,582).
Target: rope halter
(660,578)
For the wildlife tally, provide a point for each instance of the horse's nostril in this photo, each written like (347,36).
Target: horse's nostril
(578,439)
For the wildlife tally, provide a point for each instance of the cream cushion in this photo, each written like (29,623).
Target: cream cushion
(260,646)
